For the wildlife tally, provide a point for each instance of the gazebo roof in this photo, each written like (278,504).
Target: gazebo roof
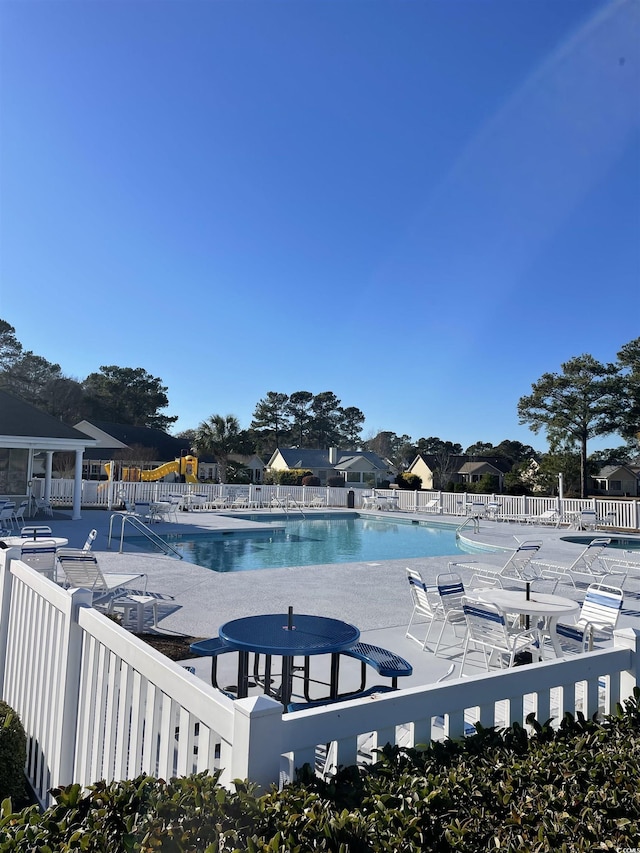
(22,425)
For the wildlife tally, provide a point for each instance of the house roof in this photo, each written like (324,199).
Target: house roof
(457,462)
(24,425)
(609,470)
(166,446)
(300,457)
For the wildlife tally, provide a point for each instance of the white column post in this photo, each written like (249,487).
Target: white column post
(5,605)
(257,738)
(47,475)
(628,638)
(70,690)
(77,487)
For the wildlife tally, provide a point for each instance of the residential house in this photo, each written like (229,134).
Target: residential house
(358,468)
(253,463)
(618,481)
(436,472)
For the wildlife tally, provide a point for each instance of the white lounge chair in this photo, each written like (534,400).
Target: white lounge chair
(586,564)
(90,540)
(549,516)
(431,506)
(81,569)
(516,567)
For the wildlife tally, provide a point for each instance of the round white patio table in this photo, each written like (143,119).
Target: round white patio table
(19,541)
(539,604)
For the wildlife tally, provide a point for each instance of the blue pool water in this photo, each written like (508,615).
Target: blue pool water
(307,542)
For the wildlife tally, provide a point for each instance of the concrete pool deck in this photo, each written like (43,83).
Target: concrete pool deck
(195,601)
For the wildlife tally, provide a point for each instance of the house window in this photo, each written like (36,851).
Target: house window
(615,485)
(13,471)
(354,477)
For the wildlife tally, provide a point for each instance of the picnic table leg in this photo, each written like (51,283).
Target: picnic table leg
(335,672)
(287,672)
(243,674)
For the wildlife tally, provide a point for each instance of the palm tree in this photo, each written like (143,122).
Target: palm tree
(219,436)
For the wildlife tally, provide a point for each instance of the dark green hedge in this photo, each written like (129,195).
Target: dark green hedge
(574,788)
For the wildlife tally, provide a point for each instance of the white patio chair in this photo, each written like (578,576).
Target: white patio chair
(44,507)
(36,531)
(81,569)
(487,630)
(6,515)
(161,510)
(476,509)
(431,506)
(600,613)
(588,519)
(516,567)
(451,592)
(41,556)
(18,514)
(425,604)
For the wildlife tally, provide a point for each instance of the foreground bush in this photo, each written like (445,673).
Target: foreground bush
(13,754)
(571,789)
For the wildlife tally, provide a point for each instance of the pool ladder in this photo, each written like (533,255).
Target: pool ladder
(142,528)
(476,525)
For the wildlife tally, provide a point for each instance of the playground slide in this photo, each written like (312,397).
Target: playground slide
(179,466)
(161,471)
(185,465)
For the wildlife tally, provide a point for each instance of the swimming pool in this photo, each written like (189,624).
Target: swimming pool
(621,542)
(307,542)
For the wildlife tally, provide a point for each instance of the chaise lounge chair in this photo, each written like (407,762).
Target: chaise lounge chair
(515,568)
(587,564)
(81,570)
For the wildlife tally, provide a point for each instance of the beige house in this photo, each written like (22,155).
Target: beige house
(436,472)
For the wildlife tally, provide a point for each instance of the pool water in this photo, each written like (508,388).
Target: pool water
(616,541)
(308,542)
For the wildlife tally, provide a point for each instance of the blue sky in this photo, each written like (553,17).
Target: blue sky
(420,206)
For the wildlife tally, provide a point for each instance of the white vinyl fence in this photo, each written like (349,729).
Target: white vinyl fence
(97,703)
(626,513)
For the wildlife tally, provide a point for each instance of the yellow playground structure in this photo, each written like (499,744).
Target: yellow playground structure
(186,466)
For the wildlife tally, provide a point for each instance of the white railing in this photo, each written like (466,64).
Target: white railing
(97,703)
(108,495)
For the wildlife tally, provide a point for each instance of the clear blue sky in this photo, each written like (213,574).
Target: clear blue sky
(420,206)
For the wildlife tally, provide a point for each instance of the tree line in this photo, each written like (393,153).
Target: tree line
(585,399)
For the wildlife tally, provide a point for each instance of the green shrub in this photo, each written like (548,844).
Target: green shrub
(574,788)
(292,477)
(336,482)
(13,755)
(311,481)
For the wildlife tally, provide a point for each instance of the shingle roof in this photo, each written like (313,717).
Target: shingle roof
(300,457)
(167,446)
(19,418)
